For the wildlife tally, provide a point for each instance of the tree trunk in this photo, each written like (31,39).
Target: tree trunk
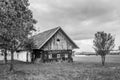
(103,60)
(5,56)
(12,60)
(27,57)
(31,57)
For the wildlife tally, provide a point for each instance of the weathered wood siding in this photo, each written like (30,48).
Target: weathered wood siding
(63,44)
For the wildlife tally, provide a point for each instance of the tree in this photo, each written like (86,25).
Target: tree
(118,47)
(4,47)
(16,24)
(4,52)
(103,44)
(29,46)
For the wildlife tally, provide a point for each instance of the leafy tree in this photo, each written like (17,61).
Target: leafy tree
(4,47)
(29,46)
(16,24)
(103,44)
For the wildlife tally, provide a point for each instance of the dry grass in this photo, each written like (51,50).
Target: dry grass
(61,71)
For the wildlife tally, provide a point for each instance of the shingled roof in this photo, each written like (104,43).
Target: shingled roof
(42,38)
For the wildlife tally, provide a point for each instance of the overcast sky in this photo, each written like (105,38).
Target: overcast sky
(80,19)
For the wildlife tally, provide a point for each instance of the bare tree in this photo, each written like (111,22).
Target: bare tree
(103,44)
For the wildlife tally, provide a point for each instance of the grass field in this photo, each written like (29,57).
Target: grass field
(94,58)
(83,68)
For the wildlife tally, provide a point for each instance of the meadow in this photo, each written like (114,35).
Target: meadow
(83,68)
(94,58)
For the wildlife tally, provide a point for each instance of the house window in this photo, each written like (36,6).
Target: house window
(58,40)
(66,55)
(58,55)
(54,55)
(50,56)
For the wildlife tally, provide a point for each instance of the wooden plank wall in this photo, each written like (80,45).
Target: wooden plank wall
(63,44)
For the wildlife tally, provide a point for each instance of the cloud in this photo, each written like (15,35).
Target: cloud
(79,18)
(74,9)
(85,45)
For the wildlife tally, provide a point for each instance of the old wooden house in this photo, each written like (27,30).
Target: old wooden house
(51,45)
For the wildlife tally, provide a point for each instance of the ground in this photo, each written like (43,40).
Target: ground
(78,70)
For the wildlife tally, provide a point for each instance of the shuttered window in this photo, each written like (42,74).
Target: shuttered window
(58,55)
(66,55)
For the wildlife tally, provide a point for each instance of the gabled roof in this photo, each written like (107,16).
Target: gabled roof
(42,38)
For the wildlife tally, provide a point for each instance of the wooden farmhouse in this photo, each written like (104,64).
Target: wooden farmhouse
(51,45)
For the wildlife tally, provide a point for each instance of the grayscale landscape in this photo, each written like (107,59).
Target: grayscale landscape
(59,39)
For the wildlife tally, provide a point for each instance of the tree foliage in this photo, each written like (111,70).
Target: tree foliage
(118,47)
(16,23)
(103,44)
(29,46)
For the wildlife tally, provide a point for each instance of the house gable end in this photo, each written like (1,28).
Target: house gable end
(59,41)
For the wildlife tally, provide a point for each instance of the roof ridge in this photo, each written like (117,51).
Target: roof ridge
(51,29)
(56,29)
(46,31)
(42,38)
(45,36)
